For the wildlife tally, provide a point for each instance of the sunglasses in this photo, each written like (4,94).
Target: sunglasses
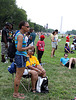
(27,26)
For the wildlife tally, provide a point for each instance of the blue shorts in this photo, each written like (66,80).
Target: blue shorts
(19,60)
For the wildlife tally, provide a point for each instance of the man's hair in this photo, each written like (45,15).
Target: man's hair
(22,23)
(68,34)
(31,29)
(65,54)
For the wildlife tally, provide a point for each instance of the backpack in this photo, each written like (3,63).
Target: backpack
(42,85)
(12,68)
(11,50)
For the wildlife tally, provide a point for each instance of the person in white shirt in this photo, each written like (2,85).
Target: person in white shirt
(72,46)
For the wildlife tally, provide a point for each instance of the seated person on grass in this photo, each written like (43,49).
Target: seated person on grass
(68,62)
(72,46)
(34,68)
(66,49)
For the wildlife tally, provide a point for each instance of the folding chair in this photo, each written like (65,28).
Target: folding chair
(22,81)
(28,79)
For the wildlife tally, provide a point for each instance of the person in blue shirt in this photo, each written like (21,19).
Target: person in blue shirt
(64,61)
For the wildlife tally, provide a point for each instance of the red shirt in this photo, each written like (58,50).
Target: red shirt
(40,45)
(67,39)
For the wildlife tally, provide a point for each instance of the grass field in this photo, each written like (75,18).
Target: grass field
(62,81)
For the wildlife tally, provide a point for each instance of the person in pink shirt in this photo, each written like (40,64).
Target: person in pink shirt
(40,48)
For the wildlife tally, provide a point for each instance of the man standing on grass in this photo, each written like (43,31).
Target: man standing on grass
(68,62)
(4,42)
(32,36)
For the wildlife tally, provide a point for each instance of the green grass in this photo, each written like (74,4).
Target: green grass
(62,81)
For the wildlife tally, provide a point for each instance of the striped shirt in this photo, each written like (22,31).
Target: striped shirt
(24,53)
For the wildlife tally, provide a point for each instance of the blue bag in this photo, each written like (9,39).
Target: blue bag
(12,68)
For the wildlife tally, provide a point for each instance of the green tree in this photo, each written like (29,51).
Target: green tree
(9,12)
(19,15)
(71,32)
(6,10)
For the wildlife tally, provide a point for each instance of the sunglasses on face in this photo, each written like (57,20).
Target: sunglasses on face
(27,26)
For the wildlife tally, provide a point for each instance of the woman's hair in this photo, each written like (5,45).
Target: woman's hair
(22,23)
(53,32)
(56,30)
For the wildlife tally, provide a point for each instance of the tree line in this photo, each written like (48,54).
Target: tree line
(9,12)
(71,32)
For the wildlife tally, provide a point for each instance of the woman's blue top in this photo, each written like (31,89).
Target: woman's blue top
(24,53)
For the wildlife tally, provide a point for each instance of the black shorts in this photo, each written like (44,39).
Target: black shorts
(40,53)
(72,65)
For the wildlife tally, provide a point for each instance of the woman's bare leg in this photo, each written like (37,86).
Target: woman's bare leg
(34,78)
(19,74)
(52,52)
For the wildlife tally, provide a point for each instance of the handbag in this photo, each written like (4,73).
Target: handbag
(42,85)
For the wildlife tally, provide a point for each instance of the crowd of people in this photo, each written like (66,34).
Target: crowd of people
(26,62)
(64,61)
(70,49)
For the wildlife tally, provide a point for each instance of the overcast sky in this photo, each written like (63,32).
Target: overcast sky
(50,11)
